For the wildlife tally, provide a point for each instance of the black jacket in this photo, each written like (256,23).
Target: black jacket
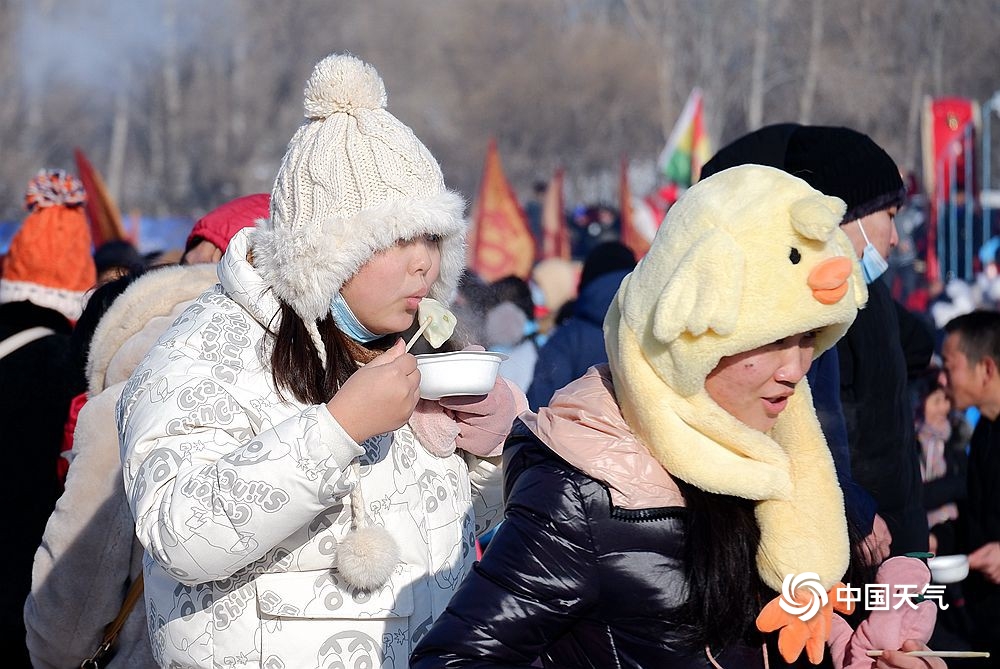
(980,519)
(953,486)
(577,344)
(881,348)
(37,382)
(574,580)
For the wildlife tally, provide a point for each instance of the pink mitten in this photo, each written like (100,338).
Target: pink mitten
(477,424)
(887,629)
(435,430)
(484,420)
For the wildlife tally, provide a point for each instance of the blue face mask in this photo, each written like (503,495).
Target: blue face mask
(873,265)
(347,322)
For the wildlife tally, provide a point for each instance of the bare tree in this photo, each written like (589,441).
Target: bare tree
(755,102)
(937,45)
(658,23)
(811,78)
(119,136)
(34,101)
(177,174)
(214,90)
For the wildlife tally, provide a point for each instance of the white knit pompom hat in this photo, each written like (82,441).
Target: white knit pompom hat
(354,181)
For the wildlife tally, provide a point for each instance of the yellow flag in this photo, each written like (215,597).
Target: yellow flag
(500,243)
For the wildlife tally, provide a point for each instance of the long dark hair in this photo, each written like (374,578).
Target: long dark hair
(725,592)
(295,366)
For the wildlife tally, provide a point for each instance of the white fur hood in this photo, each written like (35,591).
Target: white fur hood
(125,333)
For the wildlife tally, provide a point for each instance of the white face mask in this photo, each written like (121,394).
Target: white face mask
(873,265)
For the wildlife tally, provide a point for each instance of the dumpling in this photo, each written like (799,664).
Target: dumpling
(442,321)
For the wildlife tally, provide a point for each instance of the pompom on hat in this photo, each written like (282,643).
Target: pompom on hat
(49,262)
(354,181)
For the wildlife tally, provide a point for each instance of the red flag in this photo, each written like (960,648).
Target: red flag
(105,218)
(945,124)
(630,237)
(500,241)
(555,234)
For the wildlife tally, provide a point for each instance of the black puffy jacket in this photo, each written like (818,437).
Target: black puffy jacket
(883,345)
(574,580)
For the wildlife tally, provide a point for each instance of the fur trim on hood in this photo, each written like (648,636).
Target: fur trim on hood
(306,267)
(112,355)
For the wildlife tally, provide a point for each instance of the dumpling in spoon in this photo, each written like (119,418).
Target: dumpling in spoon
(442,322)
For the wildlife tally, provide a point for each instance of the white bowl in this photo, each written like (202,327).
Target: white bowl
(458,373)
(949,568)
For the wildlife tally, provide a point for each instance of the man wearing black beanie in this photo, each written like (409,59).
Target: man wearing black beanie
(884,344)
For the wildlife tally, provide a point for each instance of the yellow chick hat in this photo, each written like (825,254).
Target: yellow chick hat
(745,257)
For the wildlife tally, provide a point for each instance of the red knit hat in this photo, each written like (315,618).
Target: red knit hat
(219,225)
(49,262)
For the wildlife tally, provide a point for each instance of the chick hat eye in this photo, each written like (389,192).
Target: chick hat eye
(794,256)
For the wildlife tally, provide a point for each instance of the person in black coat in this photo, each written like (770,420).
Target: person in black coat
(46,274)
(971,355)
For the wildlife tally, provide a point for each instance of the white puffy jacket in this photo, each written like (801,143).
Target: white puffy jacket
(240,498)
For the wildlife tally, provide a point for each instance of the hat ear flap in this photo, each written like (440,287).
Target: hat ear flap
(704,291)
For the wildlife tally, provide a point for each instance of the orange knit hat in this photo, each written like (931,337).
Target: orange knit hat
(49,262)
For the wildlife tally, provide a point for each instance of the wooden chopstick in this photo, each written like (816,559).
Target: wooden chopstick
(934,653)
(416,335)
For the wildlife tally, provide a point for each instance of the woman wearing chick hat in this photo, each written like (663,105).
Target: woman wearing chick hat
(290,514)
(860,386)
(658,505)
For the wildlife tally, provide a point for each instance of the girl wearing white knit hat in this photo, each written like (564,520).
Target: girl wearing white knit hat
(295,509)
